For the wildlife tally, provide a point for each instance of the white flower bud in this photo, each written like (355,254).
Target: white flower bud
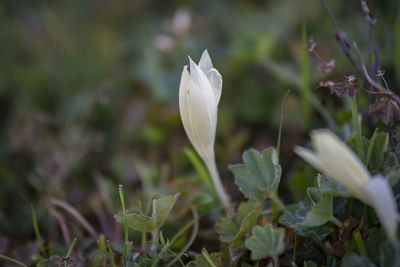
(336,160)
(199,94)
(333,158)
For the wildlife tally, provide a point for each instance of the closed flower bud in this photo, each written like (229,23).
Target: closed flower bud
(333,158)
(336,160)
(199,94)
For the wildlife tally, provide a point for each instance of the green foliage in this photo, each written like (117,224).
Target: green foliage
(321,212)
(353,260)
(207,260)
(161,207)
(266,242)
(294,217)
(260,175)
(231,230)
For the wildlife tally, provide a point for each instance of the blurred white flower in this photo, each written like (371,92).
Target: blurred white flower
(333,158)
(336,160)
(381,195)
(199,94)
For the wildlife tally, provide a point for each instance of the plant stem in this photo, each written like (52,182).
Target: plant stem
(13,261)
(71,247)
(360,243)
(121,196)
(111,255)
(357,128)
(208,259)
(191,239)
(276,261)
(37,233)
(212,168)
(305,92)
(277,201)
(336,221)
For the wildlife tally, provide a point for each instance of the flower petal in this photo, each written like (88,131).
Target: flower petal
(383,201)
(205,63)
(309,156)
(215,79)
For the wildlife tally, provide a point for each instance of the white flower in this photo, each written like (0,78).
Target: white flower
(384,204)
(199,94)
(335,159)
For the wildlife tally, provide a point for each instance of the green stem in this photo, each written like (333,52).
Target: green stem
(125,252)
(37,233)
(111,255)
(191,239)
(357,129)
(13,261)
(212,168)
(336,221)
(208,259)
(276,261)
(305,92)
(275,199)
(360,244)
(71,247)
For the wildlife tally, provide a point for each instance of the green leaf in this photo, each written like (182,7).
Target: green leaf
(294,217)
(260,175)
(326,185)
(161,208)
(266,242)
(201,261)
(231,230)
(321,212)
(227,229)
(353,260)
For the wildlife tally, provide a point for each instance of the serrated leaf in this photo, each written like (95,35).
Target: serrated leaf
(227,229)
(326,185)
(353,260)
(247,214)
(161,208)
(321,212)
(266,242)
(260,175)
(294,217)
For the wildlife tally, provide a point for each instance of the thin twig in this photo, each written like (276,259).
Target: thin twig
(75,214)
(341,38)
(278,145)
(61,222)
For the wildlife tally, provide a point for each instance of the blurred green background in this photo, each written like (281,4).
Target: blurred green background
(89,96)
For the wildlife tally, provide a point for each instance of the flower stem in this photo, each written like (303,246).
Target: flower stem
(336,221)
(212,168)
(125,251)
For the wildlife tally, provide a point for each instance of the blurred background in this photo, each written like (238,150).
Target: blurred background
(89,99)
